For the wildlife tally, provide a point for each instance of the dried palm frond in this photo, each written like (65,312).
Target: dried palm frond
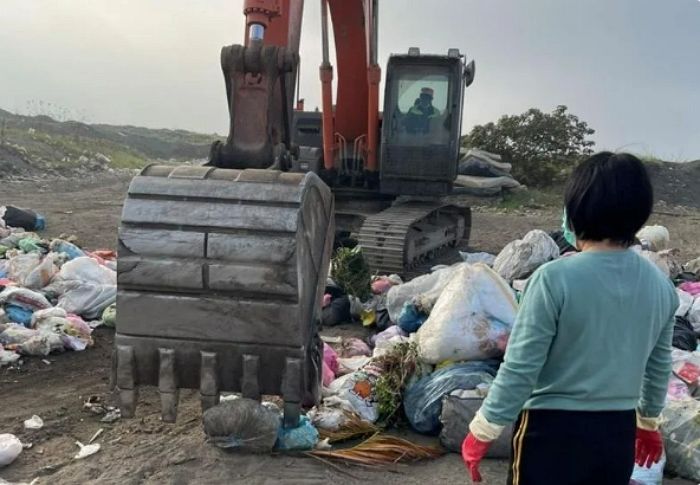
(380,450)
(353,427)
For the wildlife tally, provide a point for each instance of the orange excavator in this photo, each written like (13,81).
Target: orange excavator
(222,267)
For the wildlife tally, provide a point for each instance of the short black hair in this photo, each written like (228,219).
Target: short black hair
(609,196)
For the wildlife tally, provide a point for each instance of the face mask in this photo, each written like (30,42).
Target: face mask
(568,233)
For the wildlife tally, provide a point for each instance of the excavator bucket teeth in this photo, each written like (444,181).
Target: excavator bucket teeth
(220,277)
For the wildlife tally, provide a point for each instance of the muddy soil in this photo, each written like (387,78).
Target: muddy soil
(146,450)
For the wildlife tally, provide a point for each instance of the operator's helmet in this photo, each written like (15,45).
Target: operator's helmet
(426,94)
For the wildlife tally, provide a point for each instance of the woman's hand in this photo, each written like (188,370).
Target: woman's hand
(473,451)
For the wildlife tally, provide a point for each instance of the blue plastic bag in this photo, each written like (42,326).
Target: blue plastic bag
(410,318)
(423,399)
(303,437)
(17,314)
(69,249)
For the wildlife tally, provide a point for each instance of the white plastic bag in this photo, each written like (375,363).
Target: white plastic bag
(680,425)
(85,287)
(355,392)
(650,476)
(41,275)
(657,237)
(471,320)
(686,302)
(523,256)
(10,448)
(428,287)
(21,266)
(23,297)
(694,315)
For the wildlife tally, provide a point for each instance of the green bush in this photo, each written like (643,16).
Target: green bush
(543,147)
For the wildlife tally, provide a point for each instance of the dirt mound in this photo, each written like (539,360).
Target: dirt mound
(676,183)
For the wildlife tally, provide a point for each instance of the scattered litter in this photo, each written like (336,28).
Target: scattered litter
(86,450)
(243,423)
(111,416)
(654,475)
(96,435)
(303,437)
(35,422)
(10,448)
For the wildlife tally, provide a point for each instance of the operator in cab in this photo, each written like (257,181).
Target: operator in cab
(419,116)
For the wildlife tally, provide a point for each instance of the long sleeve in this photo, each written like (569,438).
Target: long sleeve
(656,374)
(528,347)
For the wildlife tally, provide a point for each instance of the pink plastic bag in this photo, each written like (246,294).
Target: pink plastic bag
(328,375)
(691,287)
(354,346)
(330,358)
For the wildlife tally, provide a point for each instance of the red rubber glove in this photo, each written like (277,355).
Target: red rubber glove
(649,447)
(473,451)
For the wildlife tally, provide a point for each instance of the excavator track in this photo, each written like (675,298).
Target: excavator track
(408,234)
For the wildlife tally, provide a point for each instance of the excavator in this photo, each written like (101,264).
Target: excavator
(222,267)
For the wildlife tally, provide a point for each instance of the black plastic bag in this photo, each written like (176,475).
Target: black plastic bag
(243,424)
(684,337)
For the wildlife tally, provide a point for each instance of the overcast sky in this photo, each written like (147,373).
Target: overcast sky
(631,68)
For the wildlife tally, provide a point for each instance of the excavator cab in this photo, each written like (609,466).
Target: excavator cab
(422,122)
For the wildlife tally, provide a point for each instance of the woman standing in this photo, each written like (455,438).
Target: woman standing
(588,361)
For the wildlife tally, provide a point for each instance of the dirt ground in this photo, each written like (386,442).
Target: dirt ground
(146,450)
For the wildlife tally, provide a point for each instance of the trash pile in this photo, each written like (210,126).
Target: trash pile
(52,292)
(482,173)
(436,344)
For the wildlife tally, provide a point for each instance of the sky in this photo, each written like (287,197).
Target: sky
(630,68)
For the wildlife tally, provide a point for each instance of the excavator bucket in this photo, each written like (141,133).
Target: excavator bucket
(220,277)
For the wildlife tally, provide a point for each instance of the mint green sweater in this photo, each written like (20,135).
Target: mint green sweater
(593,333)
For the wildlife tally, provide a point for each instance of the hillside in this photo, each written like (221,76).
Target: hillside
(40,145)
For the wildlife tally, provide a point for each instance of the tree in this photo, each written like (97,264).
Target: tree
(541,146)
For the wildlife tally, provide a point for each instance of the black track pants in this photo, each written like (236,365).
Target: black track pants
(573,448)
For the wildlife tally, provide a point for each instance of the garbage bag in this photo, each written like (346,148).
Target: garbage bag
(684,337)
(69,249)
(17,314)
(685,303)
(423,398)
(386,335)
(13,334)
(109,316)
(32,245)
(42,344)
(562,243)
(471,320)
(680,426)
(520,258)
(694,315)
(303,437)
(330,364)
(484,186)
(353,347)
(473,258)
(642,475)
(411,318)
(458,409)
(357,392)
(10,448)
(428,287)
(690,287)
(244,424)
(21,266)
(23,297)
(693,266)
(483,164)
(41,275)
(7,357)
(24,218)
(337,312)
(85,287)
(656,238)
